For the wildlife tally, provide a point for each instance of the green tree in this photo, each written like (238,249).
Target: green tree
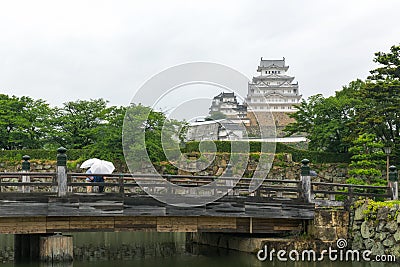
(369,107)
(23,122)
(147,134)
(107,140)
(390,62)
(37,114)
(11,122)
(325,121)
(378,111)
(367,161)
(75,124)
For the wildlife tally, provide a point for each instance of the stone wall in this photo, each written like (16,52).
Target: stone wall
(283,168)
(329,225)
(376,227)
(36,166)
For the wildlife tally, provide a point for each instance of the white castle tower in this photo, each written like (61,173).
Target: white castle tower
(273,90)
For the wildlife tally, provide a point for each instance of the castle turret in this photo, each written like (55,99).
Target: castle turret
(273,90)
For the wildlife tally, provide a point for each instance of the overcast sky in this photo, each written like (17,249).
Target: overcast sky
(68,50)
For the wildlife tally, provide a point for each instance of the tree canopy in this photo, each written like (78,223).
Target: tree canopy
(363,107)
(23,122)
(26,123)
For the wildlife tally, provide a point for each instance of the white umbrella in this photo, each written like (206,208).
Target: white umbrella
(88,163)
(102,167)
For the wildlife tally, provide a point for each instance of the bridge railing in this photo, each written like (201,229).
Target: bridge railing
(128,183)
(336,191)
(37,182)
(332,194)
(125,183)
(62,183)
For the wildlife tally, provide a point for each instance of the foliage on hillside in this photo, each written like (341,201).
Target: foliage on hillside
(332,124)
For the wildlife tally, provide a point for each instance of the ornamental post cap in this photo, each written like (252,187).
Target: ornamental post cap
(61,150)
(305,161)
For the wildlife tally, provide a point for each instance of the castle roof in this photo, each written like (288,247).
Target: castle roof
(272,63)
(273,77)
(223,94)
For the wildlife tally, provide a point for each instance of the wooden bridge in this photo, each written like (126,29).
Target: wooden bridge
(33,203)
(58,202)
(34,206)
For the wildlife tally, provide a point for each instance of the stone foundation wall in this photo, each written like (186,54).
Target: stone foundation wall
(377,228)
(329,225)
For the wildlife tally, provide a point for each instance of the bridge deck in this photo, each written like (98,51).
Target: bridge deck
(34,212)
(35,206)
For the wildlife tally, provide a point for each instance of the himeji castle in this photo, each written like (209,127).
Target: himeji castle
(271,97)
(272,90)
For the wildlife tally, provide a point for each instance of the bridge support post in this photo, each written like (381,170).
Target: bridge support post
(26,167)
(47,248)
(62,172)
(229,181)
(305,180)
(393,182)
(56,248)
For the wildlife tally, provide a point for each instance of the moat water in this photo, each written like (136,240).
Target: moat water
(156,249)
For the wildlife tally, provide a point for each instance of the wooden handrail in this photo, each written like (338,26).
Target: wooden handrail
(350,185)
(127,180)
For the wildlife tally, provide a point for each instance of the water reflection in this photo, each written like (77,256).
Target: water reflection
(127,246)
(158,249)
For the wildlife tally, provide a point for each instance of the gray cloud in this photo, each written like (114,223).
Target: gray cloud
(61,51)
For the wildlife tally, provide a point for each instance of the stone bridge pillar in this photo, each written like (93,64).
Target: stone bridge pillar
(305,180)
(26,167)
(393,182)
(62,172)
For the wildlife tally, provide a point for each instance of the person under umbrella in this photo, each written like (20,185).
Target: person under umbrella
(87,164)
(101,167)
